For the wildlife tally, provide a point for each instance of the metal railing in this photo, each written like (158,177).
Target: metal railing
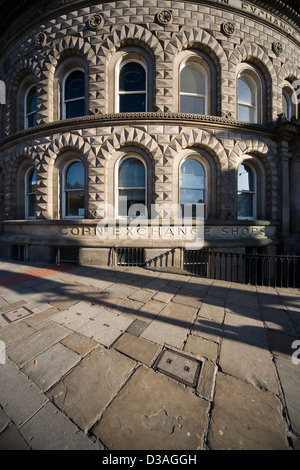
(129,256)
(254,269)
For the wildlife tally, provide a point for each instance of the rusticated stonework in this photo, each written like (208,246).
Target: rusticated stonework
(162,36)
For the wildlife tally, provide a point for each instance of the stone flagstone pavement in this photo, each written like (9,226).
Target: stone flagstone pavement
(100,358)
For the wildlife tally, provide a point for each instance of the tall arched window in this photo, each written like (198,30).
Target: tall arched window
(193,89)
(30,107)
(132,188)
(30,193)
(132,87)
(247,99)
(289,108)
(192,186)
(74,190)
(73,94)
(246,203)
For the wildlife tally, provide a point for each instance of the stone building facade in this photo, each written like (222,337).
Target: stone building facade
(167,105)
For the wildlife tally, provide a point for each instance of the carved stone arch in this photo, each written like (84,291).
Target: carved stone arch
(289,71)
(123,140)
(189,38)
(189,138)
(200,139)
(255,55)
(130,136)
(23,69)
(197,41)
(265,156)
(128,36)
(68,47)
(131,34)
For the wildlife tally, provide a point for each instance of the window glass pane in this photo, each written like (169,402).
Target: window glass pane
(75,109)
(246,113)
(74,86)
(31,184)
(75,176)
(133,103)
(132,77)
(74,204)
(31,101)
(128,197)
(286,105)
(31,205)
(246,91)
(132,174)
(192,105)
(245,178)
(192,80)
(246,205)
(192,175)
(192,196)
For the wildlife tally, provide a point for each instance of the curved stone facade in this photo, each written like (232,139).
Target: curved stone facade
(41,44)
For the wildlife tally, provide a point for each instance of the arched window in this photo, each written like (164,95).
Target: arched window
(30,107)
(192,187)
(247,99)
(132,188)
(74,190)
(193,89)
(30,193)
(246,203)
(289,108)
(73,95)
(132,87)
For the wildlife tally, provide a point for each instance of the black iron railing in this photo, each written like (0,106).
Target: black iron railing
(254,269)
(129,256)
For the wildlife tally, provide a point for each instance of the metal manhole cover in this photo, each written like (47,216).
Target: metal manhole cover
(179,367)
(16,314)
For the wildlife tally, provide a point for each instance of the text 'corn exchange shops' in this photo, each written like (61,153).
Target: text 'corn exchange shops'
(157,133)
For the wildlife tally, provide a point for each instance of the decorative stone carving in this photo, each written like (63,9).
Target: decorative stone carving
(164,17)
(96,22)
(40,40)
(277,48)
(228,28)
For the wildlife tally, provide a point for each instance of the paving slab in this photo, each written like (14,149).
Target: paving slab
(245,418)
(31,346)
(289,375)
(153,412)
(12,333)
(171,326)
(75,316)
(137,348)
(20,398)
(79,343)
(50,429)
(49,366)
(11,439)
(201,347)
(105,327)
(89,388)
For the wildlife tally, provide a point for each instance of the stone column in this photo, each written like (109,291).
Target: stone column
(284,187)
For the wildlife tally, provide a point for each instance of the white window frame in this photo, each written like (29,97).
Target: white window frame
(26,114)
(254,192)
(145,188)
(244,103)
(195,95)
(64,191)
(142,92)
(205,203)
(64,101)
(27,217)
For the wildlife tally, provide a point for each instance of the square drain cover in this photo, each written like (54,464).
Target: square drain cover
(179,367)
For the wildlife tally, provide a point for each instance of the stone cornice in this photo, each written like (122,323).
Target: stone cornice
(130,119)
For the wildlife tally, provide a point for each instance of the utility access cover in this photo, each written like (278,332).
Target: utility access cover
(179,367)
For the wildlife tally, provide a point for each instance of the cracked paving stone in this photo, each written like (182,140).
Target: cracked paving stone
(153,412)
